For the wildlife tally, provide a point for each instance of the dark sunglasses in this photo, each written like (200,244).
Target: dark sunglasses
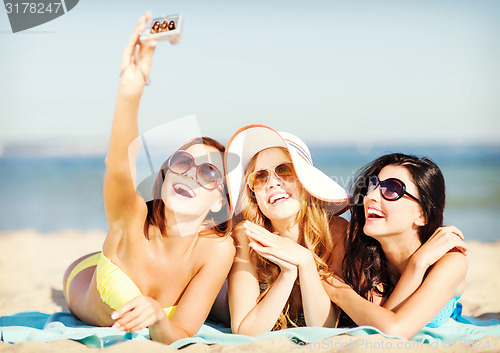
(391,189)
(258,179)
(207,175)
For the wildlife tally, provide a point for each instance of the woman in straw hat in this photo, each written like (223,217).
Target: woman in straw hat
(403,269)
(291,236)
(162,263)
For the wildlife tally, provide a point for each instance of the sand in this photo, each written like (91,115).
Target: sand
(32,266)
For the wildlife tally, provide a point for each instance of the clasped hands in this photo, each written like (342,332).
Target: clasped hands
(282,251)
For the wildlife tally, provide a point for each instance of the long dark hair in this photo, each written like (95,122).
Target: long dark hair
(220,222)
(365,266)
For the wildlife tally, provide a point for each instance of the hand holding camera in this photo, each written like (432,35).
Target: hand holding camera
(163,28)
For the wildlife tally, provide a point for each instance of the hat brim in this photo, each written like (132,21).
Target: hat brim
(251,139)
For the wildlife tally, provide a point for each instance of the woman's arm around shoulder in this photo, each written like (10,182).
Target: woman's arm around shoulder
(443,282)
(443,240)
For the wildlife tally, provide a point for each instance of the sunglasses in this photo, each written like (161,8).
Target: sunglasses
(207,175)
(391,189)
(259,178)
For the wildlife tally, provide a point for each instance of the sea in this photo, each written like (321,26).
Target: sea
(49,192)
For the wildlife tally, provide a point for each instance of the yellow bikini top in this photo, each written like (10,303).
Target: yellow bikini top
(115,287)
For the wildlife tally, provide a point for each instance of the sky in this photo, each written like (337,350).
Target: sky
(332,72)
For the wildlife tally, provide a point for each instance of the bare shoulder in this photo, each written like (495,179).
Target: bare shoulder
(448,273)
(220,247)
(225,245)
(452,262)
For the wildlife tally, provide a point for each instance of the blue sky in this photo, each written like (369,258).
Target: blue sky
(331,72)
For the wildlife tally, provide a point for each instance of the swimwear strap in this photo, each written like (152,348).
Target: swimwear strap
(87,262)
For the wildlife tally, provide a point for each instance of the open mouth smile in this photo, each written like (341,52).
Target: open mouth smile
(183,190)
(374,213)
(277,197)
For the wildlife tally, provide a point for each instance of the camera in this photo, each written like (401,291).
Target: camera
(163,28)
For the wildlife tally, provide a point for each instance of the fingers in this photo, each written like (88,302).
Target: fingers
(333,278)
(460,243)
(259,238)
(264,247)
(461,246)
(135,320)
(252,228)
(328,280)
(260,234)
(267,243)
(129,52)
(264,251)
(450,235)
(442,241)
(145,56)
(337,282)
(146,51)
(124,309)
(126,314)
(331,284)
(328,286)
(137,314)
(456,231)
(449,230)
(268,253)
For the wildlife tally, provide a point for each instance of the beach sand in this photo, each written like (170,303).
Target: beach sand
(32,266)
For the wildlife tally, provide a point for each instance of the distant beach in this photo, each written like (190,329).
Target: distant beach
(54,188)
(52,212)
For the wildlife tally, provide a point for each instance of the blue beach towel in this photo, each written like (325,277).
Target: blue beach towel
(40,327)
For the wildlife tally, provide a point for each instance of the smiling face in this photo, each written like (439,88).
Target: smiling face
(393,218)
(278,200)
(183,195)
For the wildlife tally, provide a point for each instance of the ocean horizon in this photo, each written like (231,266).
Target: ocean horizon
(52,188)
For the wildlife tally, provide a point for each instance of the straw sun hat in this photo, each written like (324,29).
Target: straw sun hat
(250,140)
